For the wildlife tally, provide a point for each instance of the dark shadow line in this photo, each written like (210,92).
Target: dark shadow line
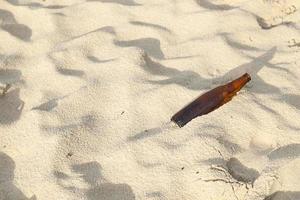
(216,7)
(97,60)
(145,134)
(107,29)
(156,26)
(120,2)
(150,45)
(71,72)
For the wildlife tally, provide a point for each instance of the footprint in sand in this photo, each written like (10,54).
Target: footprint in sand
(279,19)
(241,172)
(262,143)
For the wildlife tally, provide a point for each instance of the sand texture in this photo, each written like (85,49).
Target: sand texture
(93,85)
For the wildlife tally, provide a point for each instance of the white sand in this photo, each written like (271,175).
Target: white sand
(90,76)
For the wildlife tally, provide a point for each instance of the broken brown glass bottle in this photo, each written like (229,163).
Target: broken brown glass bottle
(210,101)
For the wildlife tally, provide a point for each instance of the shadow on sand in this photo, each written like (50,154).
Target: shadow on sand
(10,25)
(120,2)
(99,187)
(11,107)
(193,81)
(284,195)
(8,191)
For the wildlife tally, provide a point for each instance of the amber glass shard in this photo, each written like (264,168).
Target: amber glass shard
(210,101)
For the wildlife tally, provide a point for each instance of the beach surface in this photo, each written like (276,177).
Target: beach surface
(94,84)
